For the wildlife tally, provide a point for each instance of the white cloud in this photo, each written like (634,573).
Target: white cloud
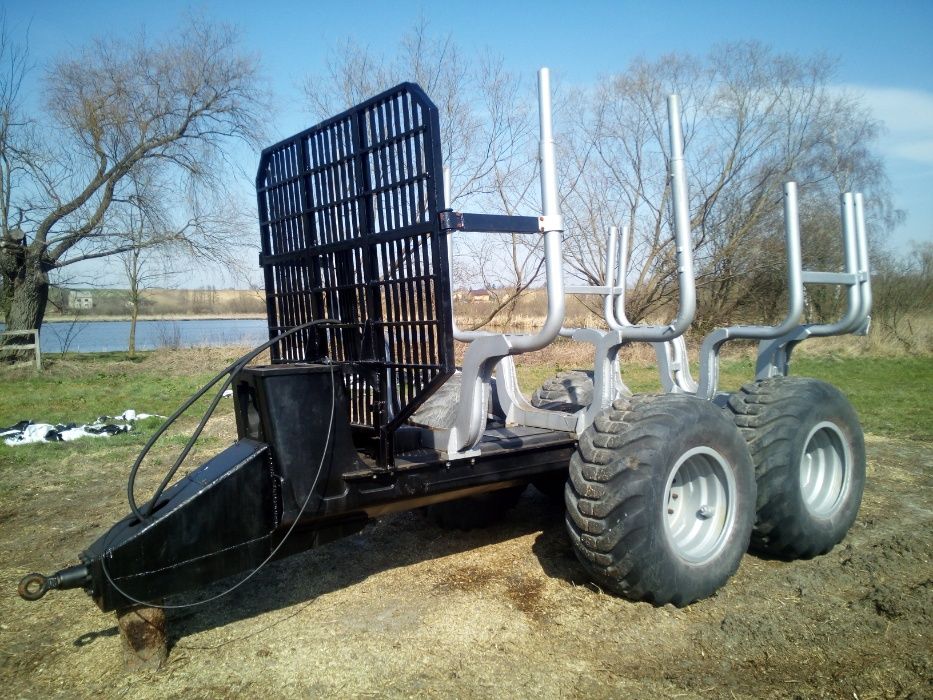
(908,116)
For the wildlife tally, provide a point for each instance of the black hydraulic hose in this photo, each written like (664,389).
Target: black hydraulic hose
(228,372)
(275,550)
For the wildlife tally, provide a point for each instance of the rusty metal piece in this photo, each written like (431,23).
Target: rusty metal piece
(143,638)
(33,586)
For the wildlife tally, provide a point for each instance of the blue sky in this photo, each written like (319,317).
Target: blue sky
(885,50)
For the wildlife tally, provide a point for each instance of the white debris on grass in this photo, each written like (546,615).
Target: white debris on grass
(27,432)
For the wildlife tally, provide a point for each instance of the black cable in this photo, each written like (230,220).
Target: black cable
(317,476)
(228,372)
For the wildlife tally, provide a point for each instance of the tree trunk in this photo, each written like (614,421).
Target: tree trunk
(27,293)
(30,296)
(132,344)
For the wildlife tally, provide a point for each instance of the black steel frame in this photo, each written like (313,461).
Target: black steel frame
(348,213)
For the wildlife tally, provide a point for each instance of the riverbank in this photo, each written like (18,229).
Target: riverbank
(96,318)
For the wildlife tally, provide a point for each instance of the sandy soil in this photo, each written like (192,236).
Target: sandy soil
(405,609)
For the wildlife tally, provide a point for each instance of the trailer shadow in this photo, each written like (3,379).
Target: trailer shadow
(393,542)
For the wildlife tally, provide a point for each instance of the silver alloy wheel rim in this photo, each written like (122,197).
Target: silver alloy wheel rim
(824,469)
(699,505)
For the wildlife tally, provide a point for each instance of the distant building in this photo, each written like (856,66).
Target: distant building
(480,295)
(80,300)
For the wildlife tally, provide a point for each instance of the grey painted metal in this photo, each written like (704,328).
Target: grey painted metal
(673,359)
(621,316)
(700,504)
(852,317)
(682,242)
(486,351)
(825,468)
(712,344)
(550,209)
(608,347)
(861,237)
(596,289)
(519,411)
(774,354)
(829,278)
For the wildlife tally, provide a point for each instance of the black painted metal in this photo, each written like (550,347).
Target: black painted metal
(232,513)
(350,232)
(489,223)
(288,407)
(354,232)
(217,521)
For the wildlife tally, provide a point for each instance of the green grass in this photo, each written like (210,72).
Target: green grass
(79,389)
(891,395)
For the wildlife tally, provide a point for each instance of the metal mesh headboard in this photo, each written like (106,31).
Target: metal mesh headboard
(350,232)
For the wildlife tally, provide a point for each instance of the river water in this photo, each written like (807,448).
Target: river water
(107,336)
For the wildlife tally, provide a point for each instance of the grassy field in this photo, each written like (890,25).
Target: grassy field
(406,609)
(891,394)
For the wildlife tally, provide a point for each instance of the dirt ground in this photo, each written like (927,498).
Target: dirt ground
(406,609)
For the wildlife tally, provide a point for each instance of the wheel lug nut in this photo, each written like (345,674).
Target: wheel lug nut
(675,495)
(670,511)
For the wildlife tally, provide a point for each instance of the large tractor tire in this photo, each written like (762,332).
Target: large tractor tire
(809,455)
(661,499)
(568,391)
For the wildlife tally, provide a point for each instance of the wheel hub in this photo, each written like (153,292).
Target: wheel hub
(700,500)
(824,469)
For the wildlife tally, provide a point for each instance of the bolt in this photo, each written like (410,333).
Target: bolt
(675,495)
(670,511)
(705,512)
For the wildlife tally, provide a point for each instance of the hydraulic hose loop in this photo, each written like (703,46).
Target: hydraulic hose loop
(227,372)
(304,506)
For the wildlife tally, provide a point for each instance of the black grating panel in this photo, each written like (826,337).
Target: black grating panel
(350,232)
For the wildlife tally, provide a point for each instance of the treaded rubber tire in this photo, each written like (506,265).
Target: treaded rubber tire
(475,511)
(618,496)
(777,416)
(570,389)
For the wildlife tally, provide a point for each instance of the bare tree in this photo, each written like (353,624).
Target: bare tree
(113,110)
(753,119)
(488,139)
(903,297)
(148,261)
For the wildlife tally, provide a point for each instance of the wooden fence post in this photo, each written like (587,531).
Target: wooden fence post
(34,332)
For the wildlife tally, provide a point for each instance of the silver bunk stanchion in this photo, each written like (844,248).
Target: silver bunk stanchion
(712,344)
(673,361)
(486,350)
(774,353)
(861,237)
(608,347)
